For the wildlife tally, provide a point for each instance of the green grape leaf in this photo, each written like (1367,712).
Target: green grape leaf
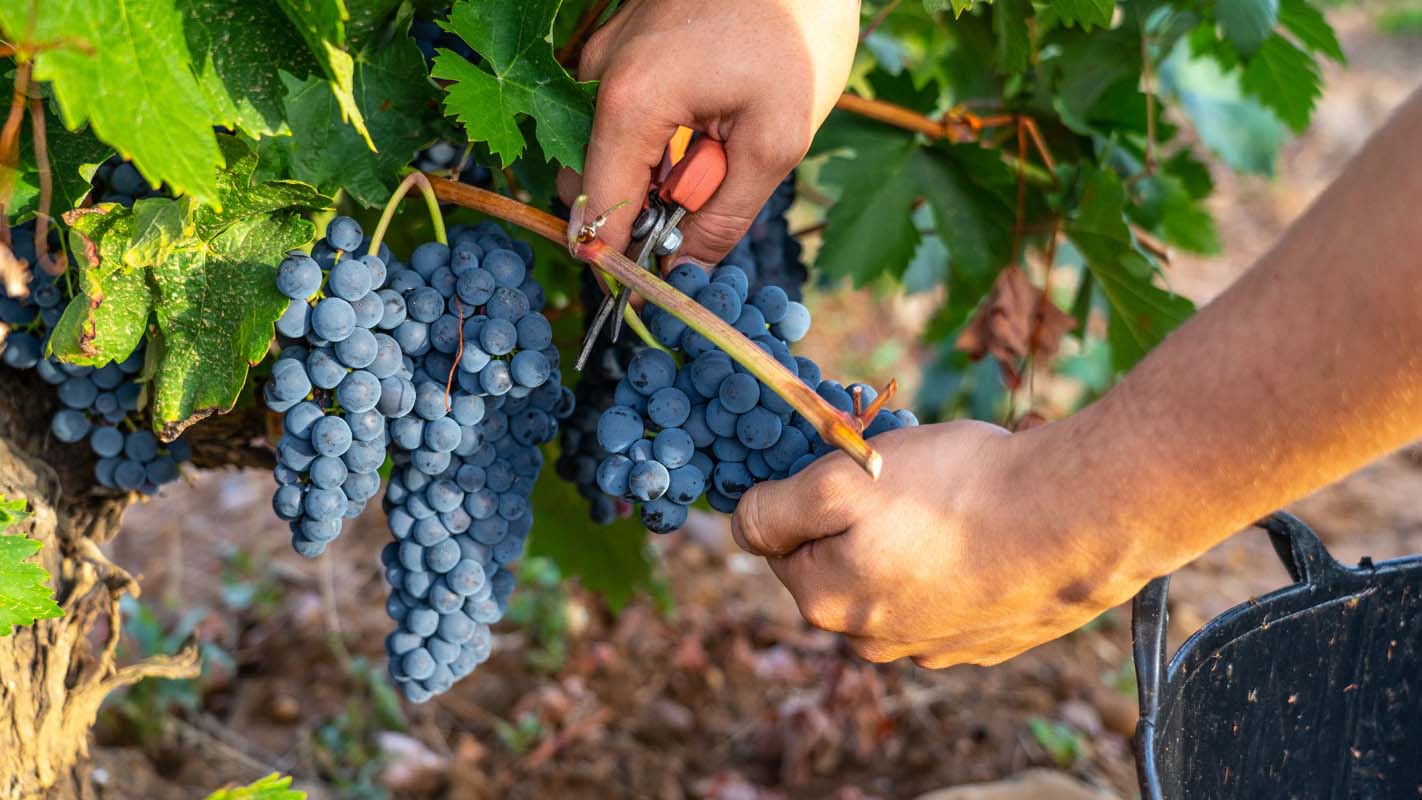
(1193,174)
(210,280)
(398,103)
(273,787)
(877,193)
(239,51)
(1247,23)
(519,75)
(1141,313)
(1014,40)
(365,20)
(1244,134)
(124,68)
(1085,69)
(1163,204)
(1086,13)
(969,190)
(322,24)
(207,338)
(1308,25)
(1285,79)
(25,595)
(72,156)
(106,320)
(881,174)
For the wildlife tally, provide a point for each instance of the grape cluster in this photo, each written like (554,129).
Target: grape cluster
(338,379)
(580,452)
(485,394)
(706,426)
(768,253)
(100,404)
(118,181)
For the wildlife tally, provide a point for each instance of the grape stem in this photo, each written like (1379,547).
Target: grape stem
(431,202)
(839,428)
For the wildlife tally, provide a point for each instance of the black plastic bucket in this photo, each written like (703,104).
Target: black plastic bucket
(1312,691)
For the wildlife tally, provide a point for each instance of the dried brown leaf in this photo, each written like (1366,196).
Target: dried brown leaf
(1015,321)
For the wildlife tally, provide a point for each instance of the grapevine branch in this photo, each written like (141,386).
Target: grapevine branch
(56,264)
(431,202)
(839,428)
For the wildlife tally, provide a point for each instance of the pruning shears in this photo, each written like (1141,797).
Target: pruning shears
(680,186)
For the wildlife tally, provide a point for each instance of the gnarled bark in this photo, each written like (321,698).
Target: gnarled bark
(55,673)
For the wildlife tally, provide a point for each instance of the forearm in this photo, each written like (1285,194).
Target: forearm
(1304,370)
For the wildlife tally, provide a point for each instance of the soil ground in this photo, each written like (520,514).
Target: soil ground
(726,695)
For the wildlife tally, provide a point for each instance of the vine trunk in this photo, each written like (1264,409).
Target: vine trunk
(55,673)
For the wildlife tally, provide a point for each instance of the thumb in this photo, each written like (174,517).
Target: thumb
(751,177)
(775,517)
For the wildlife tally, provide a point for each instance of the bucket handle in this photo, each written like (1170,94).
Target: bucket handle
(1306,560)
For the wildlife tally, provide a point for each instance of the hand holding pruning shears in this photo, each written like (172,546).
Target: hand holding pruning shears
(757,76)
(680,188)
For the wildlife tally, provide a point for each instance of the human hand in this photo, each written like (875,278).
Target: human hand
(758,75)
(972,547)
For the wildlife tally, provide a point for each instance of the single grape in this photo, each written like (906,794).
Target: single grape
(507,304)
(739,393)
(369,310)
(294,320)
(475,287)
(495,378)
(651,370)
(350,279)
(330,436)
(78,392)
(424,305)
(648,480)
(668,407)
(720,299)
(794,325)
(772,302)
(69,426)
(758,428)
(141,446)
(618,428)
(498,337)
(685,484)
(506,267)
(298,276)
(324,369)
(534,332)
(731,479)
(333,319)
(663,515)
(392,309)
(673,448)
(359,391)
(529,368)
(344,233)
(106,442)
(688,279)
(442,436)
